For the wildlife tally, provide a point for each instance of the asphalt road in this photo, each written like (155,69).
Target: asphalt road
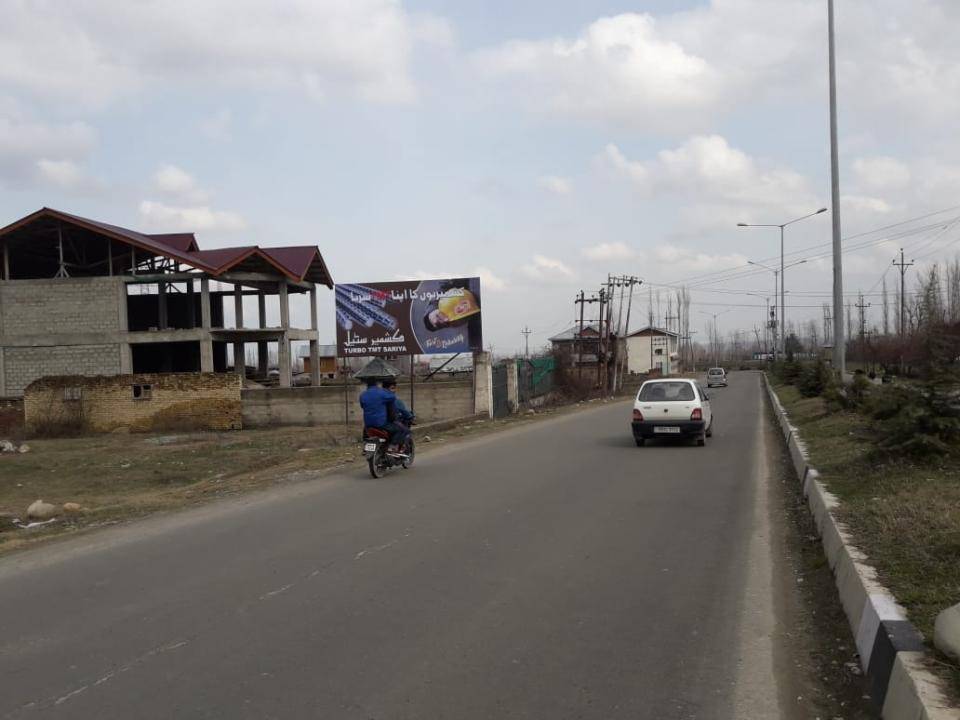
(551,571)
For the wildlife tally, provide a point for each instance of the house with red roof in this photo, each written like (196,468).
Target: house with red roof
(84,297)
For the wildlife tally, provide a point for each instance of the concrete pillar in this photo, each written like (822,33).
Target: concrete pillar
(283,353)
(206,344)
(482,384)
(192,303)
(123,326)
(126,359)
(283,360)
(263,355)
(513,387)
(239,361)
(3,375)
(314,362)
(162,321)
(6,261)
(314,343)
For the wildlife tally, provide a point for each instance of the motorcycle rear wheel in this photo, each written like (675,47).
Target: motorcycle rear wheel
(411,454)
(377,463)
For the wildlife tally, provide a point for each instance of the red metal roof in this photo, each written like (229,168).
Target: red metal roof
(185,242)
(295,262)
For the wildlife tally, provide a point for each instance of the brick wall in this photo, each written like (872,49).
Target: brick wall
(179,402)
(67,305)
(23,365)
(325,404)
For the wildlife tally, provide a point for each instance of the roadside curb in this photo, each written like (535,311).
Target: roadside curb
(450,423)
(892,653)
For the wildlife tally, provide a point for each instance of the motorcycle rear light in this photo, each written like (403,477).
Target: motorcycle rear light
(637,415)
(697,414)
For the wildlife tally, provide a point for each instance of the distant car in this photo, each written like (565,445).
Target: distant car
(716,376)
(672,408)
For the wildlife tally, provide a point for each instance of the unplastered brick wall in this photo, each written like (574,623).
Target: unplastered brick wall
(138,403)
(66,305)
(23,365)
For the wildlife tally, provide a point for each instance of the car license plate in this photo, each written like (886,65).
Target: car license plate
(668,430)
(370,447)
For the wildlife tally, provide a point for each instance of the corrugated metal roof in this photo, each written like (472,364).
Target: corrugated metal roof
(296,262)
(571,333)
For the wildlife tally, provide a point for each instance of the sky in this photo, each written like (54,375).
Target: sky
(539,145)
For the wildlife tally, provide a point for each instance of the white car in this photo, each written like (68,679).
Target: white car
(716,376)
(672,408)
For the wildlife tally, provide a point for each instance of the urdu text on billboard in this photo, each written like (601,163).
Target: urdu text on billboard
(419,317)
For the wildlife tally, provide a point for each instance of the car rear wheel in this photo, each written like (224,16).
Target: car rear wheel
(702,439)
(639,441)
(710,429)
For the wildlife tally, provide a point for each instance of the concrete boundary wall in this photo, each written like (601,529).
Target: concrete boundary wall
(327,404)
(892,653)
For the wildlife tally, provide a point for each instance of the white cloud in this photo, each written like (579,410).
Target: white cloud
(608,251)
(707,169)
(178,183)
(546,269)
(865,205)
(680,260)
(93,52)
(488,280)
(34,152)
(882,173)
(159,216)
(620,69)
(556,184)
(66,175)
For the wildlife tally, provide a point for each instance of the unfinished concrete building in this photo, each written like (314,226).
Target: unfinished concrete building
(81,297)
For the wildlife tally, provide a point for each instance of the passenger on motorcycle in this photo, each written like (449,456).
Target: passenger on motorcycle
(379,411)
(403,414)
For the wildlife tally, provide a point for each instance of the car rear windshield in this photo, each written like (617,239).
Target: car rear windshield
(666,392)
(715,371)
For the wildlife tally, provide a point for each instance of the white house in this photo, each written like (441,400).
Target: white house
(653,349)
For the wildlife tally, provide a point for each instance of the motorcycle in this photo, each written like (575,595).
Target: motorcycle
(379,455)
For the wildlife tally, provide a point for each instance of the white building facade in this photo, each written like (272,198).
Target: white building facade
(653,350)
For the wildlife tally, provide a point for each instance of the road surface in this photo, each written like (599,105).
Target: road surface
(551,571)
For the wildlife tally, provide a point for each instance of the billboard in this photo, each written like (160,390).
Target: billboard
(419,317)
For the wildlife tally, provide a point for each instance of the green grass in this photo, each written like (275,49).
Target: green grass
(904,515)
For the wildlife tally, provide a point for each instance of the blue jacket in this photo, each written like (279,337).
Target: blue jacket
(375,402)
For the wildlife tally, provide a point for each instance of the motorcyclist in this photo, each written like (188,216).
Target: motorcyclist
(379,411)
(403,415)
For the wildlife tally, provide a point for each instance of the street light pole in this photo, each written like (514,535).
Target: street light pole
(783,278)
(839,344)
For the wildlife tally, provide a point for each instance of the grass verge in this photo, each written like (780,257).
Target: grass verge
(904,516)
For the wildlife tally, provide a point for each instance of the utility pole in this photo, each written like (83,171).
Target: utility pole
(631,281)
(839,346)
(526,339)
(863,322)
(602,301)
(903,265)
(581,301)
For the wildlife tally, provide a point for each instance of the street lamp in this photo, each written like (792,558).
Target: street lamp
(781,292)
(782,277)
(716,344)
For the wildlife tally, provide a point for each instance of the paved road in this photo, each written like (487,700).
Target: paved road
(553,571)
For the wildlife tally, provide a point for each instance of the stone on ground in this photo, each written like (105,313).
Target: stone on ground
(41,510)
(946,632)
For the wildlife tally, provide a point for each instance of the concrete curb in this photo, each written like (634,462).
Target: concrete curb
(448,424)
(892,652)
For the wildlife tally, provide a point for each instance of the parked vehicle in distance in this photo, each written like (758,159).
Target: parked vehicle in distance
(672,408)
(716,376)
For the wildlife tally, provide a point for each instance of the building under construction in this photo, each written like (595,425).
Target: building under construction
(82,297)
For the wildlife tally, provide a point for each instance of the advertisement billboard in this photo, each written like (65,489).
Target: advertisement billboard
(419,317)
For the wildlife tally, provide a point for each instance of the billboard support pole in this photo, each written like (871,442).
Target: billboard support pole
(413,377)
(346,394)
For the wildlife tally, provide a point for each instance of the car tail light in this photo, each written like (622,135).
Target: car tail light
(697,414)
(637,415)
